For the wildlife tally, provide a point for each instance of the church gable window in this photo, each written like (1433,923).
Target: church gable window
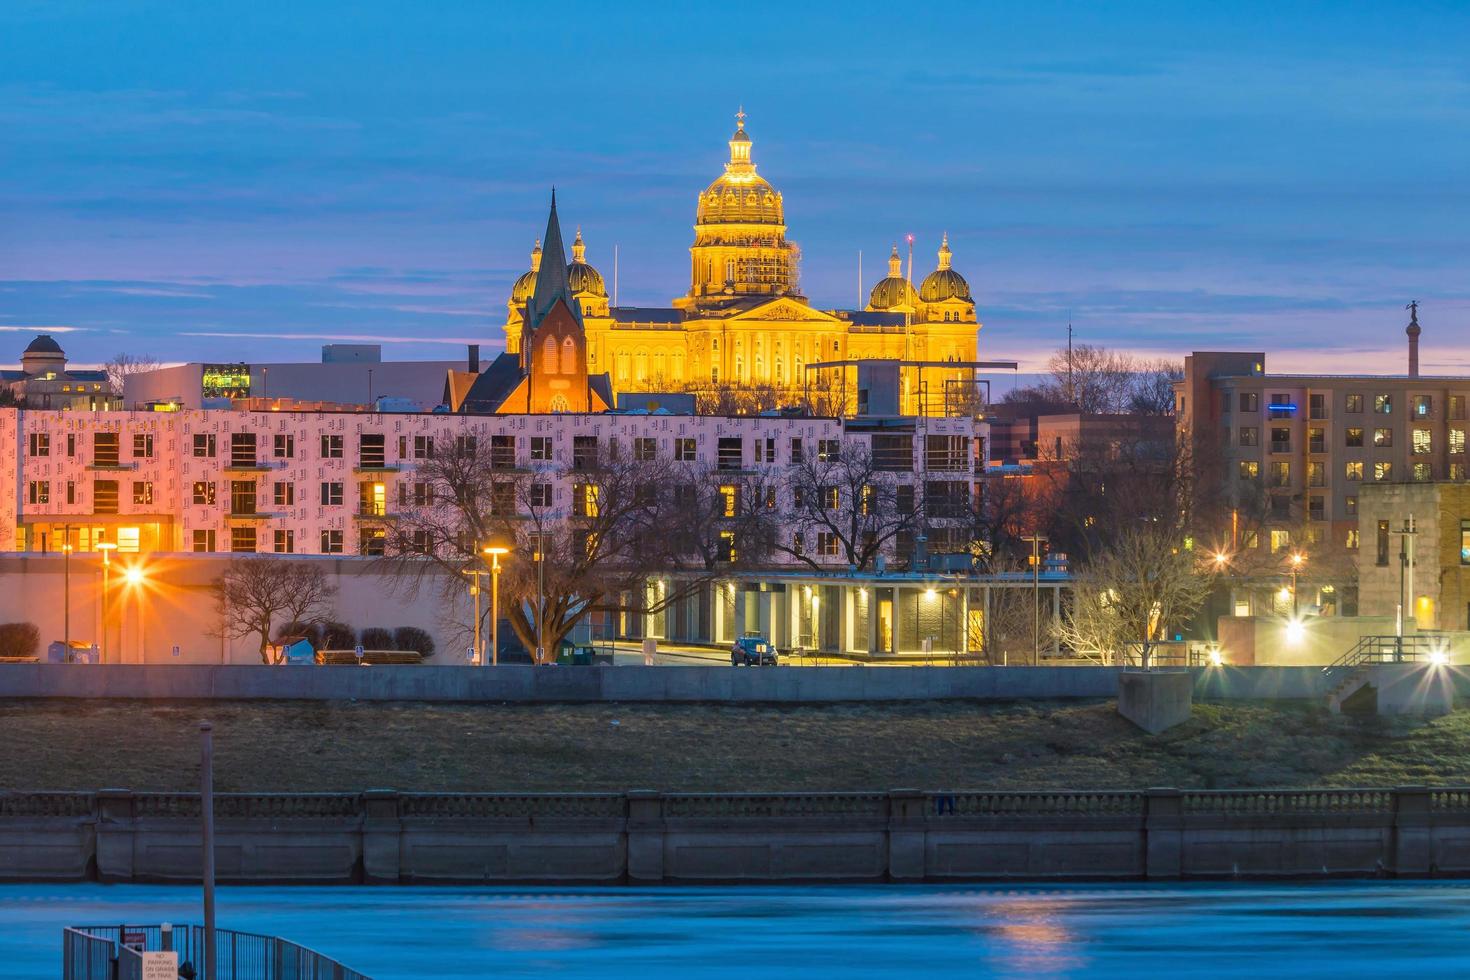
(548,353)
(568,356)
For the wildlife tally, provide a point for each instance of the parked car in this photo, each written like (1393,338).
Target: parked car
(752,650)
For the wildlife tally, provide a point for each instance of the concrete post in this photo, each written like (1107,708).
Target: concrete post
(645,835)
(1163,833)
(114,835)
(382,837)
(1412,843)
(907,836)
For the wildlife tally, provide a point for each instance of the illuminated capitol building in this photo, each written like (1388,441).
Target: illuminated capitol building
(744,320)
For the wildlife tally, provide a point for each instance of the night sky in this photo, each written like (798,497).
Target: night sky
(220,181)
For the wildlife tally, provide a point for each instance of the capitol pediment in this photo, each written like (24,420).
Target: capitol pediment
(787,310)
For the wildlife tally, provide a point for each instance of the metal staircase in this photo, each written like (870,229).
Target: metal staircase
(1354,670)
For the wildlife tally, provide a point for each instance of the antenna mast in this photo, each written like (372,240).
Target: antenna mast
(615,273)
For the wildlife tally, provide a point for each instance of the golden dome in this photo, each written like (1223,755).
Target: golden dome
(944,283)
(895,290)
(581,277)
(521,291)
(740,195)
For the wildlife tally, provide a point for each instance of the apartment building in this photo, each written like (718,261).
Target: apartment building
(325,483)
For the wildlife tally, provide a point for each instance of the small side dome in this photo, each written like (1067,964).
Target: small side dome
(526,284)
(944,283)
(581,277)
(895,290)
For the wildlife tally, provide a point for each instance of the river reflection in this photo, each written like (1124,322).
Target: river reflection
(1360,929)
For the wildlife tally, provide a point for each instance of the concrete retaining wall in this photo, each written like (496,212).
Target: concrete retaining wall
(387,837)
(561,684)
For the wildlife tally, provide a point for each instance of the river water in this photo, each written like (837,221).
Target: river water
(1336,930)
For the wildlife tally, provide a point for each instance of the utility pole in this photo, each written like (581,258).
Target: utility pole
(1406,572)
(1071,390)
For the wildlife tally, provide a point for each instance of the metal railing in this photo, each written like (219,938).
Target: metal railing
(89,952)
(1409,648)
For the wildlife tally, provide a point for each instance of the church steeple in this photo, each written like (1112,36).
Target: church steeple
(551,277)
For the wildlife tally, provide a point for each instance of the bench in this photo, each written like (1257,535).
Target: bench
(349,657)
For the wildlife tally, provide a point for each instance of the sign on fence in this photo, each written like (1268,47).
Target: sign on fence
(161,966)
(134,939)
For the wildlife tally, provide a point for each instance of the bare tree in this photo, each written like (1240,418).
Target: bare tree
(596,546)
(255,593)
(122,366)
(1152,388)
(845,508)
(1147,580)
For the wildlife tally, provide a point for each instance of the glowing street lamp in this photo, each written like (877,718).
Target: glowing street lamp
(494,549)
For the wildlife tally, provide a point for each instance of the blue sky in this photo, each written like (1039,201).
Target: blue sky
(218,181)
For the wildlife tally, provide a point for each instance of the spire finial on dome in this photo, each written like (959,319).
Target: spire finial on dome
(895,265)
(740,119)
(945,255)
(536,256)
(740,146)
(579,247)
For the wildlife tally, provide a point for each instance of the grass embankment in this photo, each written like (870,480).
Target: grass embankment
(304,746)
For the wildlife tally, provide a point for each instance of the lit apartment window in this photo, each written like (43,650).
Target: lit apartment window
(142,492)
(1382,543)
(1350,506)
(1351,540)
(203,492)
(684,451)
(1249,469)
(1383,404)
(1250,435)
(730,500)
(1280,540)
(1457,408)
(1382,472)
(1354,470)
(828,545)
(371,541)
(1316,474)
(1457,471)
(1281,474)
(1423,442)
(242,539)
(1383,437)
(1316,441)
(1423,406)
(1354,404)
(39,492)
(584,499)
(1457,441)
(1423,472)
(1353,438)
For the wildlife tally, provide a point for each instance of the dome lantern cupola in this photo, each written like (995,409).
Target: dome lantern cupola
(944,283)
(894,291)
(521,290)
(581,276)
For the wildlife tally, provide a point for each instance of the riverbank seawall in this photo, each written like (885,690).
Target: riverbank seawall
(640,837)
(526,684)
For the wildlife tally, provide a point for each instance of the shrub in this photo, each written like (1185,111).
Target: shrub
(376,638)
(19,640)
(413,638)
(333,635)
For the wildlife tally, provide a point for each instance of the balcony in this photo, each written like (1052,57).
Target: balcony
(368,511)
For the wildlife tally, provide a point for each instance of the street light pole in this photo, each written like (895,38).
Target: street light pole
(106,547)
(66,592)
(1036,540)
(206,813)
(495,549)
